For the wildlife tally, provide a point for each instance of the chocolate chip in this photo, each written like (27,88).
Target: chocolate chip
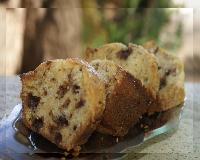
(45,92)
(170,71)
(76,89)
(48,66)
(167,72)
(44,74)
(124,54)
(33,101)
(57,138)
(38,123)
(53,79)
(48,62)
(80,103)
(96,66)
(51,113)
(155,50)
(100,102)
(62,121)
(74,128)
(66,103)
(63,89)
(107,85)
(70,77)
(162,82)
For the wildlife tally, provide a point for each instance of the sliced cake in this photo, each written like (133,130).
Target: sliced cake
(126,98)
(63,100)
(171,73)
(133,58)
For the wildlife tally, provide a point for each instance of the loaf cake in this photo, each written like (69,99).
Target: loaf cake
(171,73)
(133,58)
(126,98)
(63,100)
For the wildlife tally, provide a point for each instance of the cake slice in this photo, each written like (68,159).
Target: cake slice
(171,73)
(133,58)
(126,98)
(63,100)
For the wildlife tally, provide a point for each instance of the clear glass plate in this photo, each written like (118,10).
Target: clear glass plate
(18,142)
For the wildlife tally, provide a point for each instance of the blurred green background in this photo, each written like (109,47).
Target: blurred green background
(36,31)
(138,22)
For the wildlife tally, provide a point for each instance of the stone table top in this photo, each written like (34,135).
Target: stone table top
(183,144)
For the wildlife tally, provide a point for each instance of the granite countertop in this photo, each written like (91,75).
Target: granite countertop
(183,144)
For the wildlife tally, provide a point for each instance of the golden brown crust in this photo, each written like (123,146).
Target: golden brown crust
(125,105)
(127,99)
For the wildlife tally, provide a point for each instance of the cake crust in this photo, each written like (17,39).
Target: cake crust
(126,99)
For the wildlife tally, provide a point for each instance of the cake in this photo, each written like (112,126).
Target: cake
(171,74)
(126,98)
(133,58)
(63,100)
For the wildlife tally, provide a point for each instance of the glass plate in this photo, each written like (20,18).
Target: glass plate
(18,142)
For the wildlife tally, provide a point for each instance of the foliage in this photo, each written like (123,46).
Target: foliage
(138,21)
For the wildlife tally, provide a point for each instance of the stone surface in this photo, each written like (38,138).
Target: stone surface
(183,144)
(9,94)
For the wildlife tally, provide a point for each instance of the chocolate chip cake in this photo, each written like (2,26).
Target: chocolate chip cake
(63,100)
(126,98)
(171,72)
(133,58)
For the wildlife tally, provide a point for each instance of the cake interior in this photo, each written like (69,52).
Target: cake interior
(56,105)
